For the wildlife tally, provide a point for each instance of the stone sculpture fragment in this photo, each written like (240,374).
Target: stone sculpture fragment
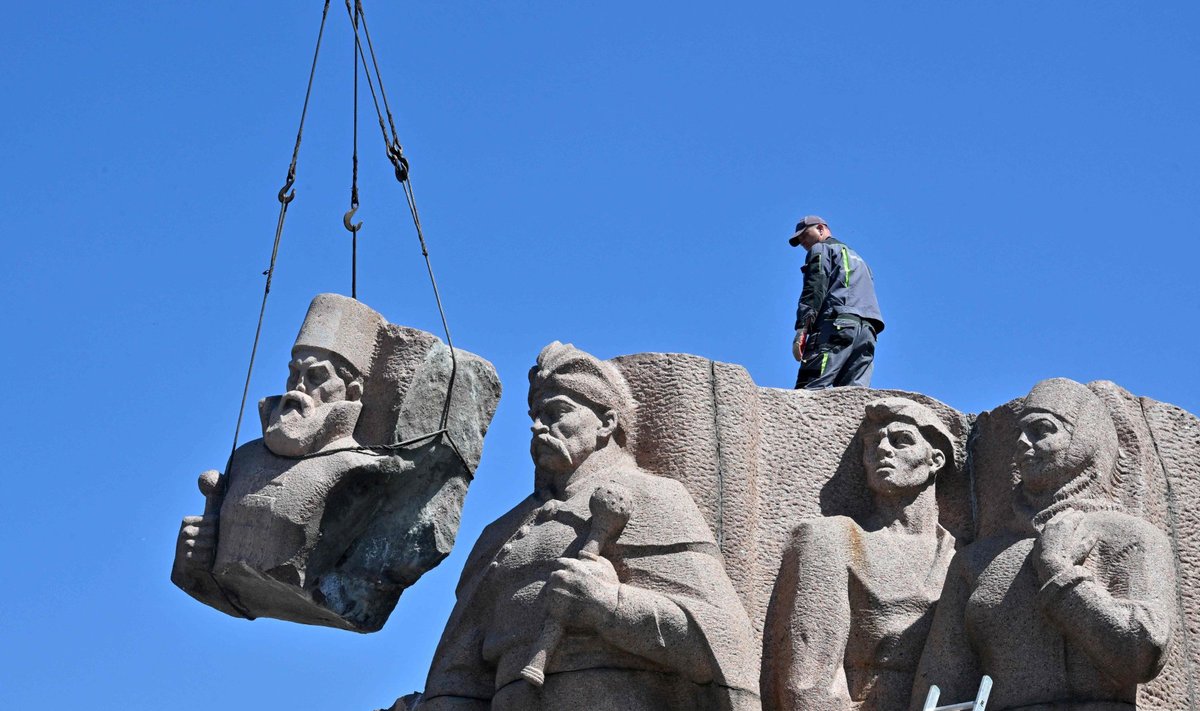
(324,520)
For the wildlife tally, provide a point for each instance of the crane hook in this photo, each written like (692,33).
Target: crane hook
(284,196)
(350,216)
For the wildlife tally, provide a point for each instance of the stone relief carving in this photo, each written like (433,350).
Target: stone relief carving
(1077,607)
(853,601)
(604,589)
(320,521)
(665,490)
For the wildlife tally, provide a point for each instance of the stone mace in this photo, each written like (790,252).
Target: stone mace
(611,506)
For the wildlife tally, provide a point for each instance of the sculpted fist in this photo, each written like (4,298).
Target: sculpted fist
(582,589)
(1066,541)
(196,546)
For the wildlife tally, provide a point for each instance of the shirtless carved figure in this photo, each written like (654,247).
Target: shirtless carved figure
(853,601)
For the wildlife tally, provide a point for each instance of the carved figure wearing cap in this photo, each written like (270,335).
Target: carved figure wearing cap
(310,523)
(648,617)
(853,601)
(1077,607)
(838,317)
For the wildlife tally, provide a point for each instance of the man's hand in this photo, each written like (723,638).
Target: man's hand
(798,344)
(583,589)
(1065,542)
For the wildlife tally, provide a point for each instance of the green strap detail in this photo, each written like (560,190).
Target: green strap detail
(846,265)
(824,362)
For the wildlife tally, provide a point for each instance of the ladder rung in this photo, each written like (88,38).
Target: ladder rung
(979,704)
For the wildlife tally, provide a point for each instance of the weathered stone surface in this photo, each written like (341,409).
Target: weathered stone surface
(759,461)
(854,599)
(604,589)
(1071,603)
(324,520)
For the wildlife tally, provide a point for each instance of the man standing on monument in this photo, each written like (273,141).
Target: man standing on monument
(645,617)
(838,316)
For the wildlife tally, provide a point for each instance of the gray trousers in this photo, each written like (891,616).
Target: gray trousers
(841,352)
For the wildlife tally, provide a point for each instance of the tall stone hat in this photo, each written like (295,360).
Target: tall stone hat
(343,326)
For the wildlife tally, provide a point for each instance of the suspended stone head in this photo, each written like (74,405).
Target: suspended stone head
(332,355)
(356,487)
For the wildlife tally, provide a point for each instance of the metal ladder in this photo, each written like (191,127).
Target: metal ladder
(979,704)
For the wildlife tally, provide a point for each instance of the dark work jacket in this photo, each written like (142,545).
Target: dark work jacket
(837,281)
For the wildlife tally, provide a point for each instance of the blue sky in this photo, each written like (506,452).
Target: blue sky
(1022,177)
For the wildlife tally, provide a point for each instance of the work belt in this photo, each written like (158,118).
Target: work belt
(856,319)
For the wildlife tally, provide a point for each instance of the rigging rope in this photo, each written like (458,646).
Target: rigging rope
(346,219)
(286,194)
(285,197)
(396,154)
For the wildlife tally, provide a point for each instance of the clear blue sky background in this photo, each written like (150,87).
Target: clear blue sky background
(1023,178)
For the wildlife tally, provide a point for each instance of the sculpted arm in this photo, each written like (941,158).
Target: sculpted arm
(1127,637)
(948,659)
(639,620)
(196,549)
(808,624)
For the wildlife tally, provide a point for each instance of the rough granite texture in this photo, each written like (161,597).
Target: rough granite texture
(332,537)
(760,460)
(605,588)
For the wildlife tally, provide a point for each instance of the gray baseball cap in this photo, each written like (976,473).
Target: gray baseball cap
(802,225)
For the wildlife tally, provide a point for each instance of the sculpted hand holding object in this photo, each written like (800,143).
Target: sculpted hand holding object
(1077,608)
(562,606)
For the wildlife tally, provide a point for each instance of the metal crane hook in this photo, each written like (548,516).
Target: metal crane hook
(284,196)
(350,216)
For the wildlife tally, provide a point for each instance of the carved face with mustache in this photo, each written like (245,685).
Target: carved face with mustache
(319,410)
(566,430)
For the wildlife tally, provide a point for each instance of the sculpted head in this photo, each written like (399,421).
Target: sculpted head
(1066,433)
(905,445)
(579,404)
(326,375)
(321,405)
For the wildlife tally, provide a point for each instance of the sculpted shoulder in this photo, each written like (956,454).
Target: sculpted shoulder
(827,538)
(1120,527)
(664,512)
